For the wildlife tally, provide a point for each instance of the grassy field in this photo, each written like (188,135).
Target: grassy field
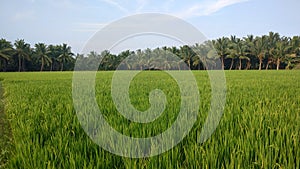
(260,127)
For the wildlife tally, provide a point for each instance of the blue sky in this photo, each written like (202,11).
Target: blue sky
(76,21)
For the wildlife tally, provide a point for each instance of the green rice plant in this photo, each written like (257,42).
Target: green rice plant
(259,128)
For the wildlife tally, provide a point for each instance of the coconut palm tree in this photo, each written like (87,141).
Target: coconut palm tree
(91,62)
(260,48)
(122,60)
(5,52)
(295,46)
(249,42)
(108,60)
(175,53)
(221,45)
(22,51)
(141,60)
(273,38)
(232,53)
(294,57)
(187,54)
(42,53)
(281,51)
(146,57)
(240,50)
(54,52)
(211,57)
(65,55)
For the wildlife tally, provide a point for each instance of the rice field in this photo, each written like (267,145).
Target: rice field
(260,127)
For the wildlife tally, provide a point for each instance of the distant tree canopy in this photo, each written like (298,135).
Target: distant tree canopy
(20,56)
(261,52)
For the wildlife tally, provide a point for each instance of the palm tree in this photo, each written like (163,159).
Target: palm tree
(197,61)
(295,45)
(273,38)
(187,54)
(5,52)
(122,60)
(148,53)
(221,45)
(108,60)
(201,55)
(174,50)
(210,55)
(81,62)
(293,58)
(91,61)
(281,51)
(42,52)
(141,60)
(260,49)
(239,50)
(176,53)
(232,53)
(249,42)
(168,61)
(54,52)
(23,52)
(65,56)
(242,53)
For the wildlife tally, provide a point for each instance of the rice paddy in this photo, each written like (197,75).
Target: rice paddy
(260,127)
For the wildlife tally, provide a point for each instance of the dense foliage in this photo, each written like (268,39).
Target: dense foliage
(262,52)
(259,127)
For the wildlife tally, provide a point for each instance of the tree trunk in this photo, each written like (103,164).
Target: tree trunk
(231,64)
(1,65)
(248,65)
(189,63)
(278,64)
(23,64)
(222,60)
(240,66)
(288,65)
(62,66)
(51,66)
(42,66)
(267,66)
(5,65)
(260,63)
(20,64)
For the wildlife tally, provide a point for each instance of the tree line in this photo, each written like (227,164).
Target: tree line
(270,51)
(20,56)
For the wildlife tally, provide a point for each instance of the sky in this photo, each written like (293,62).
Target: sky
(75,21)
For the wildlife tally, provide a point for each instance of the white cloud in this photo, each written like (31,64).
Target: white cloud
(141,5)
(221,4)
(126,6)
(117,5)
(206,8)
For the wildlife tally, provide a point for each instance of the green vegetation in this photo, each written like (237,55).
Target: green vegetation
(259,128)
(261,52)
(5,132)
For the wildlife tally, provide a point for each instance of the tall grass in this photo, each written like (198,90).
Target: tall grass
(259,128)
